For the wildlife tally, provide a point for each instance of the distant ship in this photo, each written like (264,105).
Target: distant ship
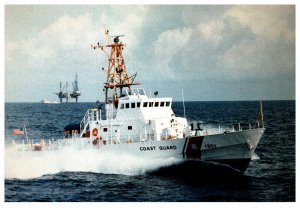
(46,101)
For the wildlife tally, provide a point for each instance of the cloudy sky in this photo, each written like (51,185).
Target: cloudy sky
(212,52)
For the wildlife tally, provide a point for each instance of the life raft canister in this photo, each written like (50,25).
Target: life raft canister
(95,132)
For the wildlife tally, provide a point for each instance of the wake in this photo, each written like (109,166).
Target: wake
(33,164)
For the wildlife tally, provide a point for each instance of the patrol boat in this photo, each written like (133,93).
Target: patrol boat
(131,122)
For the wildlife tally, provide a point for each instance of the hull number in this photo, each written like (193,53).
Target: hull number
(210,146)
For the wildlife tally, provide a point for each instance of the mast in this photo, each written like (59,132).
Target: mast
(117,75)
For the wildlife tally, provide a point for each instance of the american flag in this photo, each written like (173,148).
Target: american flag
(17,132)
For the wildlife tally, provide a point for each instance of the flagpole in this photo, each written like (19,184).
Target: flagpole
(25,132)
(261,114)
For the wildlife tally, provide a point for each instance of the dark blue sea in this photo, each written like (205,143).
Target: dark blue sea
(72,177)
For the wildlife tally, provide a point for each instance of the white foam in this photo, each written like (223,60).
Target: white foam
(255,157)
(32,164)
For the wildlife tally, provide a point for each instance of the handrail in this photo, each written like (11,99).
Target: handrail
(90,115)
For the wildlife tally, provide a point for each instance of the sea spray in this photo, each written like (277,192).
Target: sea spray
(32,164)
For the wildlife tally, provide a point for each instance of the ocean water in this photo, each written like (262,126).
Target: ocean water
(74,175)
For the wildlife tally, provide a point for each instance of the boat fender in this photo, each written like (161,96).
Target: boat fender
(96,141)
(95,132)
(129,141)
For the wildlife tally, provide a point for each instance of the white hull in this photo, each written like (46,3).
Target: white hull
(234,148)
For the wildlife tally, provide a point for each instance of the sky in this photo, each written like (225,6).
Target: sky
(213,53)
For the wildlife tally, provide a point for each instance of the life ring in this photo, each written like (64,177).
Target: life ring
(95,132)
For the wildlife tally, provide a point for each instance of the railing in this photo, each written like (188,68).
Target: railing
(211,130)
(81,143)
(90,115)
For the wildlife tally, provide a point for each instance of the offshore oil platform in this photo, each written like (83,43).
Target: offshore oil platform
(67,95)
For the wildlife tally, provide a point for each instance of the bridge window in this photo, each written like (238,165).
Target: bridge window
(132,105)
(122,106)
(167,104)
(127,105)
(141,91)
(130,92)
(150,104)
(129,127)
(138,104)
(124,93)
(156,104)
(162,104)
(104,129)
(135,91)
(145,104)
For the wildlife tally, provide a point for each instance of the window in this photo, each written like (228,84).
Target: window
(132,105)
(162,104)
(104,129)
(141,92)
(138,104)
(135,91)
(124,93)
(150,104)
(130,92)
(122,106)
(127,105)
(145,104)
(167,104)
(129,127)
(156,104)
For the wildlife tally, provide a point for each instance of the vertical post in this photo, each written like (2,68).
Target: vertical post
(219,129)
(239,126)
(112,111)
(25,132)
(183,103)
(261,114)
(250,126)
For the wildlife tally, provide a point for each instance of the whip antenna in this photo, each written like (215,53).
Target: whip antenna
(183,103)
